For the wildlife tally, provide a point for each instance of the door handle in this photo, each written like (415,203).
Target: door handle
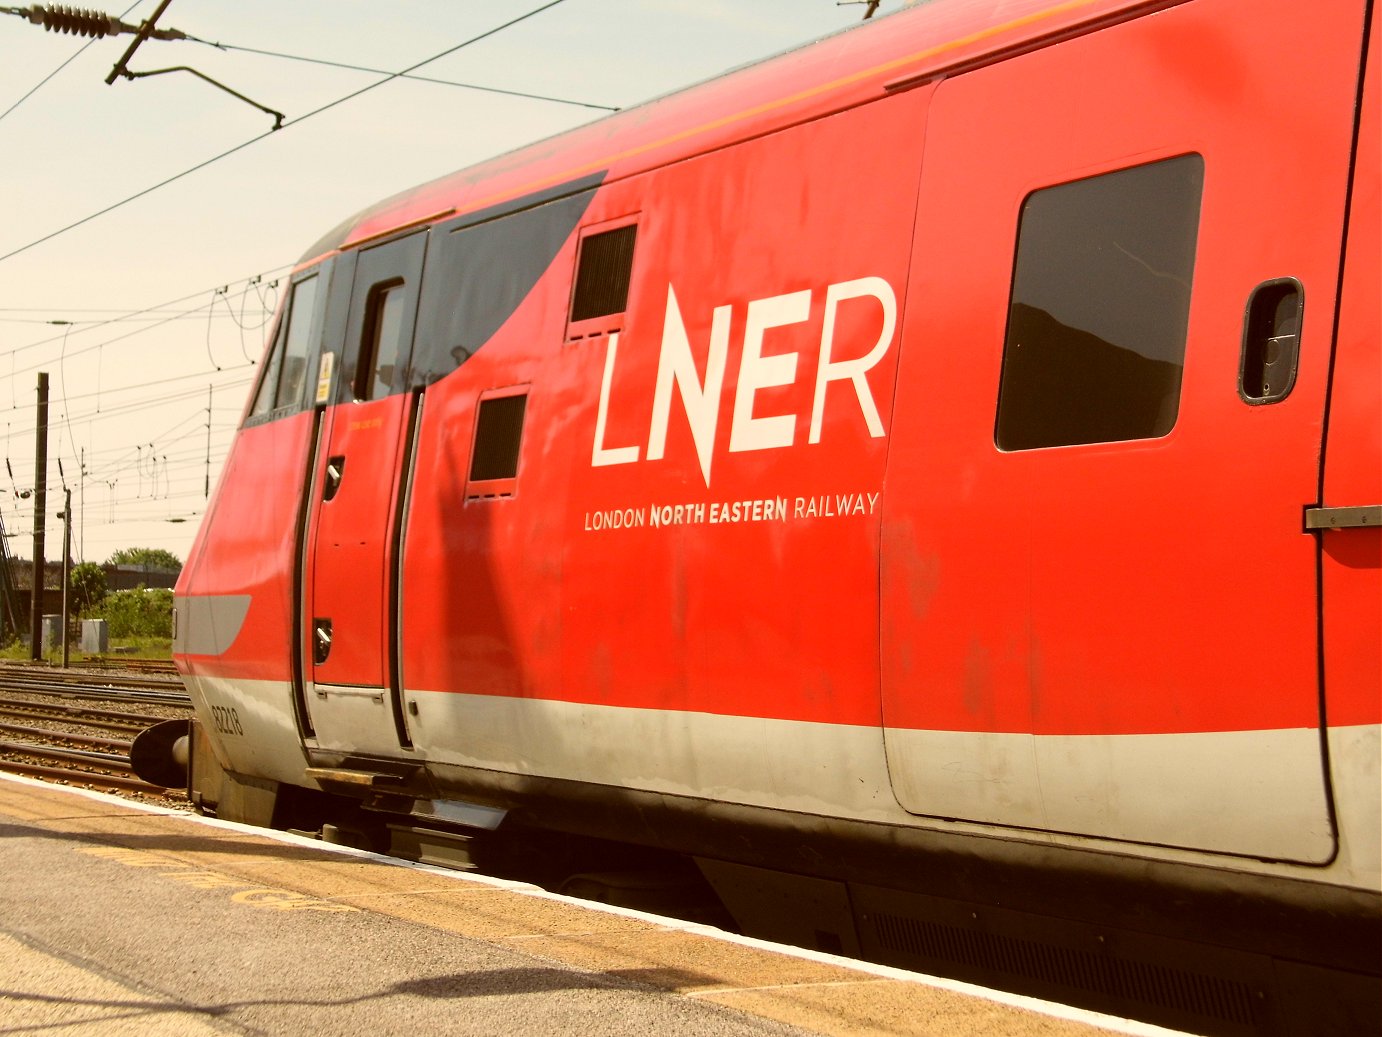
(1344,518)
(321,640)
(1271,341)
(335,471)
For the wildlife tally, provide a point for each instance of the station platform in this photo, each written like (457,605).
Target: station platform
(120,919)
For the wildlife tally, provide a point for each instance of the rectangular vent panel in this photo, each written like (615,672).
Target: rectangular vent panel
(602,277)
(498,435)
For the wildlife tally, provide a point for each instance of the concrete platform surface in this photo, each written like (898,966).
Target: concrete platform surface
(116,919)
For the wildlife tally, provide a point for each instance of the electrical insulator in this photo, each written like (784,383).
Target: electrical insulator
(72,20)
(80,22)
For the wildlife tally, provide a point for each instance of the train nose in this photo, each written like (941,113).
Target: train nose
(159,754)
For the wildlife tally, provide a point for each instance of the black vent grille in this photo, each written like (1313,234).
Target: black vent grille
(1143,982)
(498,435)
(602,277)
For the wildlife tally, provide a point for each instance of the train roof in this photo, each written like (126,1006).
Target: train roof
(865,62)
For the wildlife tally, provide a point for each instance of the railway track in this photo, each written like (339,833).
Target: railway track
(125,687)
(152,667)
(76,728)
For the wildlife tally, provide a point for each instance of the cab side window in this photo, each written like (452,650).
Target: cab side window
(1100,307)
(285,374)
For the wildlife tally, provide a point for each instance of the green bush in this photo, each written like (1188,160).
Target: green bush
(88,582)
(137,613)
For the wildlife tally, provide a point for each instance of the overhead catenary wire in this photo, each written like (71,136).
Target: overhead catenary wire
(191,454)
(159,476)
(182,314)
(135,407)
(122,313)
(158,470)
(151,405)
(201,457)
(146,403)
(44,81)
(104,411)
(140,461)
(264,309)
(99,461)
(174,469)
(227,428)
(15,370)
(407,75)
(81,22)
(177,468)
(187,461)
(76,324)
(287,124)
(170,380)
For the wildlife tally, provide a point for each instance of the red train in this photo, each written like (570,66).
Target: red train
(933,476)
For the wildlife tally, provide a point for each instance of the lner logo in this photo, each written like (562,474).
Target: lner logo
(701,397)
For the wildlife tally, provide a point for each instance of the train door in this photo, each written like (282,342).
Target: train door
(350,555)
(1099,599)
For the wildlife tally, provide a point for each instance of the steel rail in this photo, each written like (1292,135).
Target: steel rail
(66,736)
(83,777)
(78,714)
(132,727)
(135,666)
(48,752)
(96,691)
(78,675)
(164,671)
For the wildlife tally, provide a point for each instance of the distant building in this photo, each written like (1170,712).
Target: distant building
(19,588)
(118,577)
(128,577)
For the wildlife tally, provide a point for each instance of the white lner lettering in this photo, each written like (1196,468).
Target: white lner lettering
(676,366)
(602,455)
(757,371)
(701,396)
(828,370)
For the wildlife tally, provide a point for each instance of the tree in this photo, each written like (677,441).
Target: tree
(88,582)
(146,557)
(139,612)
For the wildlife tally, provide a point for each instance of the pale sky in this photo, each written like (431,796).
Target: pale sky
(128,389)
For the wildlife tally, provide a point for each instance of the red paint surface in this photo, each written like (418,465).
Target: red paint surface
(843,71)
(349,545)
(765,618)
(1352,559)
(1126,588)
(247,546)
(1142,587)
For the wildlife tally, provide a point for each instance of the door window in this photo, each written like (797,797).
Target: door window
(1100,304)
(383,338)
